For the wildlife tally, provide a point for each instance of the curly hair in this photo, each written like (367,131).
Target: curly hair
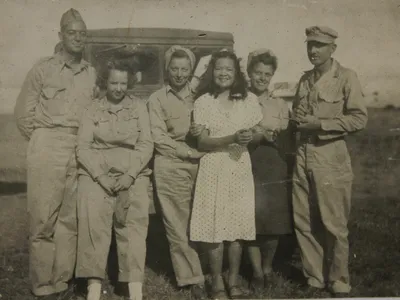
(207,84)
(265,58)
(106,69)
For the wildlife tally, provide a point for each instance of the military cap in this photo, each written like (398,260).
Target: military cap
(71,15)
(321,34)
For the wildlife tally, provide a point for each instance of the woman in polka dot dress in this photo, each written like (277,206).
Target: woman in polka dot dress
(223,208)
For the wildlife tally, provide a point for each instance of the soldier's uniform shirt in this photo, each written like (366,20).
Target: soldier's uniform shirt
(170,118)
(323,175)
(113,140)
(47,112)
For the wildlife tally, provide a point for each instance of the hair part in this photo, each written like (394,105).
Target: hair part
(265,58)
(111,65)
(207,85)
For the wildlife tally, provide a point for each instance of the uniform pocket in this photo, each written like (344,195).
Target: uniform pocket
(330,104)
(53,100)
(51,92)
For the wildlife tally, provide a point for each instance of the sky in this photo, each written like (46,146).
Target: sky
(369,33)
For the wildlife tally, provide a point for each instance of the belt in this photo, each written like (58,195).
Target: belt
(308,138)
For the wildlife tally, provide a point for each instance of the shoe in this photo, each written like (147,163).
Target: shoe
(198,292)
(219,295)
(257,285)
(235,292)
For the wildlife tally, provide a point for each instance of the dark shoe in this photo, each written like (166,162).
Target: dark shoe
(235,292)
(257,285)
(198,292)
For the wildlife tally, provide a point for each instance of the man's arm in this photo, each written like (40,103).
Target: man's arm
(355,113)
(27,100)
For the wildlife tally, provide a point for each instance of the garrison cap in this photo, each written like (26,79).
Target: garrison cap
(71,15)
(322,34)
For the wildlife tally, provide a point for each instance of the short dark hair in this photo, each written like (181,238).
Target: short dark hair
(207,84)
(265,58)
(106,69)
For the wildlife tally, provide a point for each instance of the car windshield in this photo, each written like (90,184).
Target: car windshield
(143,60)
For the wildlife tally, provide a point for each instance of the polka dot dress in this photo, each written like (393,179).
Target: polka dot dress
(223,208)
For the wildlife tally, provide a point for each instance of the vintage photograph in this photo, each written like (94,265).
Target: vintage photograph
(218,149)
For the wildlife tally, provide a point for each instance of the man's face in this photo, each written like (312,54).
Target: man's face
(318,53)
(73,37)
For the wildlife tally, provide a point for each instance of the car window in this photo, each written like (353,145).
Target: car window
(143,60)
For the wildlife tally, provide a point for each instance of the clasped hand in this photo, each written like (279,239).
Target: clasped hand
(113,185)
(306,121)
(243,137)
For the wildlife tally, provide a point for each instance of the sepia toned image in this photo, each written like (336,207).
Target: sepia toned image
(195,149)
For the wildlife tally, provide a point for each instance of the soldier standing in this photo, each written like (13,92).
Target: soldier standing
(47,112)
(329,105)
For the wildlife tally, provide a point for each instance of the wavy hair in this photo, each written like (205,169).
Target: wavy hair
(106,69)
(207,84)
(266,58)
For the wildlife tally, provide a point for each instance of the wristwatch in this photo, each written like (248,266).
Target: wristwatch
(189,153)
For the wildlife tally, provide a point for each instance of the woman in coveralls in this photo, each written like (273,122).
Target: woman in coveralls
(176,163)
(114,148)
(270,169)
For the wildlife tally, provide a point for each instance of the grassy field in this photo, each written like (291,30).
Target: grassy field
(374,225)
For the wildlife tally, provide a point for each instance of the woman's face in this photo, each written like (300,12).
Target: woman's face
(179,70)
(260,76)
(117,85)
(224,73)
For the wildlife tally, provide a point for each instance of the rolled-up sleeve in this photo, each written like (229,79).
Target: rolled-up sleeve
(90,159)
(163,143)
(144,146)
(27,100)
(355,114)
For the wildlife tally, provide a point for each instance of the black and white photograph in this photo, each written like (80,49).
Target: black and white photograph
(221,149)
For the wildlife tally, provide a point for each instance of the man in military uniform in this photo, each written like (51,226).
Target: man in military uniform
(47,112)
(329,105)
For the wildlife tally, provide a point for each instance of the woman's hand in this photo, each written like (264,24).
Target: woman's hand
(123,183)
(107,183)
(243,137)
(196,129)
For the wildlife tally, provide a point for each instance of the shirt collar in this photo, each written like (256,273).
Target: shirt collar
(62,62)
(335,69)
(126,103)
(185,92)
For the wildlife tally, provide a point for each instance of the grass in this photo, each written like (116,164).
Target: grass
(374,224)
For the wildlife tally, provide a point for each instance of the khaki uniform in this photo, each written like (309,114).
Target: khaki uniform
(323,175)
(170,117)
(47,112)
(113,141)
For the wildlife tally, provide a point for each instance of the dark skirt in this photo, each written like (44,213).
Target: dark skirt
(272,191)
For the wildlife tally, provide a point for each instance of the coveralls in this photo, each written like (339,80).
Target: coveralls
(47,112)
(113,141)
(323,175)
(170,118)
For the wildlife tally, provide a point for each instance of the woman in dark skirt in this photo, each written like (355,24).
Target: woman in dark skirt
(270,169)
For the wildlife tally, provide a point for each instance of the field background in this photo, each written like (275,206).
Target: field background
(374,224)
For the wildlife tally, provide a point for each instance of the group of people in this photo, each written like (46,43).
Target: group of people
(221,168)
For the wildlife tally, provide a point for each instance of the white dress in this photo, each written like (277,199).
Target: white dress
(223,207)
